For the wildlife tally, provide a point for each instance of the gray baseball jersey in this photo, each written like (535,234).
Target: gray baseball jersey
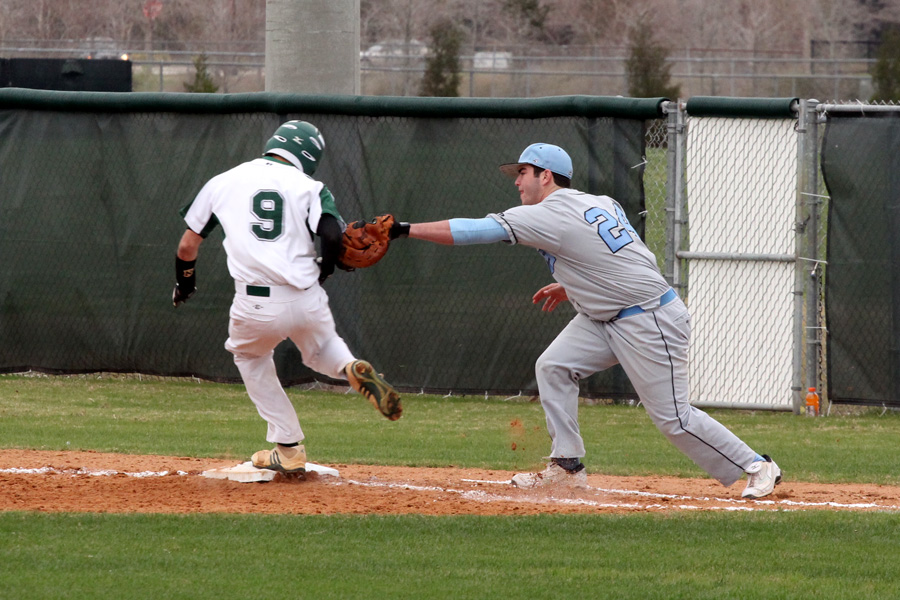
(628,315)
(590,248)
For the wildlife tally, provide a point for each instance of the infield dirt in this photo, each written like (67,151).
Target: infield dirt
(47,481)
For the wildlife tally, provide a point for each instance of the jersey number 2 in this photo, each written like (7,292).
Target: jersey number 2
(616,232)
(268,207)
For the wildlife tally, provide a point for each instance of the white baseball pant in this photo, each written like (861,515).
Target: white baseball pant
(258,324)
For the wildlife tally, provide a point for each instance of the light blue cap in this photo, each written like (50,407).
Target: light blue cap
(546,156)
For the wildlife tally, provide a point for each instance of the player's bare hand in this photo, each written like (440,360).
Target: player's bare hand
(552,295)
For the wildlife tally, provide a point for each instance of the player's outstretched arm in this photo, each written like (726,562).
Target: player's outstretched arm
(459,232)
(552,295)
(436,231)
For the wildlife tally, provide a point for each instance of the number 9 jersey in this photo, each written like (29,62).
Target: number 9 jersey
(268,211)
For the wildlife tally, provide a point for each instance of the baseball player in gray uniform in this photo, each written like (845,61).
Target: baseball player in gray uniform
(626,313)
(271,210)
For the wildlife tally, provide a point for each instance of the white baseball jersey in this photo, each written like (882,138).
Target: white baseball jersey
(269,212)
(603,272)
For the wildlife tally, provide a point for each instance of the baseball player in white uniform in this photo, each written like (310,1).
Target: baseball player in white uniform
(271,210)
(626,314)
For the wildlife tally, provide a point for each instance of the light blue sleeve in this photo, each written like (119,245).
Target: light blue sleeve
(477,231)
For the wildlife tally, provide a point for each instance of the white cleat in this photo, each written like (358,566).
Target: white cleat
(553,475)
(764,475)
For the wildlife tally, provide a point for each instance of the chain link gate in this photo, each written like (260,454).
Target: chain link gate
(735,248)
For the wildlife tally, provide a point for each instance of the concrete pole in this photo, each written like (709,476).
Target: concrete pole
(312,46)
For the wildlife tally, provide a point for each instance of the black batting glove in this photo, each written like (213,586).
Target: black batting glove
(326,269)
(179,296)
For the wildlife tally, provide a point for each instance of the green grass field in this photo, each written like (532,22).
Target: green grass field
(780,554)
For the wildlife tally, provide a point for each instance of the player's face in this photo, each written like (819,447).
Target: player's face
(529,184)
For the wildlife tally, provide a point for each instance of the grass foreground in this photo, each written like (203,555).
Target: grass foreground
(749,556)
(782,554)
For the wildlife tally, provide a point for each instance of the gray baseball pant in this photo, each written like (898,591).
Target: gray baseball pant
(652,348)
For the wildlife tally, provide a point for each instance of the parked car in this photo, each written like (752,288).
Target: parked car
(103,47)
(492,61)
(394,53)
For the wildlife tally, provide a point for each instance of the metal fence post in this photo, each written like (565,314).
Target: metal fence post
(806,244)
(674,191)
(813,201)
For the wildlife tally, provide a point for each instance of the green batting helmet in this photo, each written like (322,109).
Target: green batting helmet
(299,143)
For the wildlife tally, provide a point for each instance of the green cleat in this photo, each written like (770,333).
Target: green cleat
(381,394)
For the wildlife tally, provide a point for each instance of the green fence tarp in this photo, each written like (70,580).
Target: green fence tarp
(89,223)
(358,106)
(861,167)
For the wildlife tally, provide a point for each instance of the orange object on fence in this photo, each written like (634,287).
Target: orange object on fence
(812,403)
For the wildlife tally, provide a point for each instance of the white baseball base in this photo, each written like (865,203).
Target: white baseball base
(247,473)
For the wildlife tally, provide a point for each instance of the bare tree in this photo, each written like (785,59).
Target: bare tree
(603,22)
(706,28)
(395,19)
(7,11)
(646,66)
(760,25)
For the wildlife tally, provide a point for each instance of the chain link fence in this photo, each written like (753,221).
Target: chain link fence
(494,71)
(860,166)
(655,186)
(735,210)
(88,283)
(761,229)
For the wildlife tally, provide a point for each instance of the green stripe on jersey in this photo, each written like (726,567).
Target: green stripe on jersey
(328,205)
(212,224)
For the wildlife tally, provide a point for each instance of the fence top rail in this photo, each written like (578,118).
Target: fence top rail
(860,108)
(374,106)
(715,106)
